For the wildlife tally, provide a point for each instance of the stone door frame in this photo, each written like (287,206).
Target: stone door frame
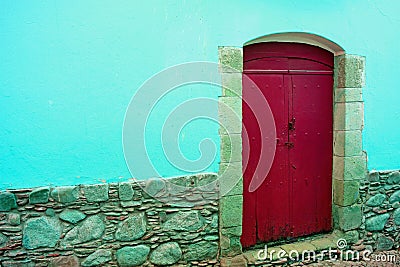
(349,160)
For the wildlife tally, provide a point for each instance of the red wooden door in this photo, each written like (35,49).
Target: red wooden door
(295,198)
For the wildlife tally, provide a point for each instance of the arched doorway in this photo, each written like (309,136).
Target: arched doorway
(295,197)
(349,161)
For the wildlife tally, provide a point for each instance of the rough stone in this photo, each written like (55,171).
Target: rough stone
(50,212)
(374,176)
(97,258)
(230,59)
(376,223)
(72,216)
(394,178)
(132,256)
(234,248)
(154,186)
(39,195)
(348,95)
(3,240)
(166,254)
(7,201)
(350,71)
(351,236)
(91,228)
(184,221)
(384,243)
(396,216)
(125,191)
(347,218)
(41,232)
(376,200)
(231,145)
(17,263)
(347,143)
(232,84)
(231,211)
(395,197)
(64,261)
(96,192)
(345,193)
(132,228)
(65,194)
(201,250)
(14,219)
(232,231)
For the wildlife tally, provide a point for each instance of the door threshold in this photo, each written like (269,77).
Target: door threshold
(278,253)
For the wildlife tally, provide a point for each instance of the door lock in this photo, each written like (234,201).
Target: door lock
(291,124)
(289,144)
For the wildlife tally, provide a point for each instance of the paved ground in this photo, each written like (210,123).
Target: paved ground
(376,261)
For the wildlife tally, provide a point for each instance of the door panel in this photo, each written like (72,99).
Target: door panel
(310,157)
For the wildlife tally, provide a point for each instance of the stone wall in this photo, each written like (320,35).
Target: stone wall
(112,224)
(380,195)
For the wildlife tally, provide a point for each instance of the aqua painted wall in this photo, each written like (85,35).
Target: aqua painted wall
(68,70)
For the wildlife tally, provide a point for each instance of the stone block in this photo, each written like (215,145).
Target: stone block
(64,261)
(352,236)
(72,216)
(231,148)
(229,119)
(14,219)
(125,191)
(349,168)
(384,243)
(232,231)
(230,59)
(231,211)
(232,102)
(131,228)
(348,116)
(7,201)
(394,178)
(349,71)
(232,84)
(347,218)
(348,95)
(376,200)
(395,197)
(39,195)
(166,254)
(347,143)
(230,179)
(91,228)
(132,256)
(345,193)
(41,232)
(202,250)
(96,192)
(232,248)
(376,223)
(65,194)
(98,258)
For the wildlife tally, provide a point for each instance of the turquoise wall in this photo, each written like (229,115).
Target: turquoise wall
(68,70)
